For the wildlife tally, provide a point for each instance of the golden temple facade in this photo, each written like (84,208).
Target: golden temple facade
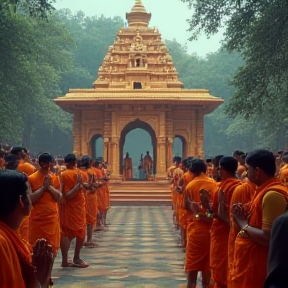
(138,87)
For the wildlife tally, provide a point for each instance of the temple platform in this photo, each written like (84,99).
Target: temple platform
(140,193)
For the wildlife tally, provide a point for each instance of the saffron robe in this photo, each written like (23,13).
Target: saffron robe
(186,178)
(250,258)
(23,229)
(198,231)
(91,201)
(44,218)
(220,233)
(15,261)
(242,194)
(73,210)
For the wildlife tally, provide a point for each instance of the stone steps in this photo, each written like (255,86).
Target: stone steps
(140,193)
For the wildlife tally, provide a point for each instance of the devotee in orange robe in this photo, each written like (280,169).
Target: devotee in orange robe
(44,218)
(283,173)
(198,225)
(100,192)
(242,194)
(106,192)
(91,198)
(177,175)
(183,182)
(174,180)
(221,223)
(17,268)
(28,169)
(240,157)
(73,213)
(252,242)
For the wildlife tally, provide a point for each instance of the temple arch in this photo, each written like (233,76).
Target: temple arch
(138,124)
(97,146)
(179,146)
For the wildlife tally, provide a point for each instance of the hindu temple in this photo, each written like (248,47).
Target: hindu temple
(138,87)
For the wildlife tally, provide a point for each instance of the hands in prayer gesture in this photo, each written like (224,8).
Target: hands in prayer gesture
(42,259)
(47,182)
(240,214)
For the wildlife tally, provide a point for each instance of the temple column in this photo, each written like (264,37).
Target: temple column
(115,158)
(169,151)
(161,158)
(77,132)
(161,147)
(200,134)
(106,149)
(192,146)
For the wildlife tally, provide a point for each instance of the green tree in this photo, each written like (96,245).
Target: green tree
(258,30)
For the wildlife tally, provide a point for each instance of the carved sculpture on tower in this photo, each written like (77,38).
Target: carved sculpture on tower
(138,48)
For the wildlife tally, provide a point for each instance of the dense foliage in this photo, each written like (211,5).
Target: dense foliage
(259,31)
(43,53)
(40,60)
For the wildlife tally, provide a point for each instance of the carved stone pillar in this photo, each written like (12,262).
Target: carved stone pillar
(200,134)
(106,149)
(169,151)
(77,133)
(161,158)
(192,146)
(115,158)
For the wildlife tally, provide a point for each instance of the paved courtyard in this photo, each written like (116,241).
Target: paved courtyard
(138,249)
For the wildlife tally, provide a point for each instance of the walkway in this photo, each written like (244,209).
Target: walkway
(138,249)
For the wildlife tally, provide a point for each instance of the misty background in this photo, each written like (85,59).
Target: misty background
(41,60)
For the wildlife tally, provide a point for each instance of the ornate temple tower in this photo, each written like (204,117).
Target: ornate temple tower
(138,87)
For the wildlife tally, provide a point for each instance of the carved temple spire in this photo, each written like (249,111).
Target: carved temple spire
(138,58)
(138,17)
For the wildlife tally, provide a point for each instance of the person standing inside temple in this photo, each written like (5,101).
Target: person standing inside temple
(127,171)
(148,165)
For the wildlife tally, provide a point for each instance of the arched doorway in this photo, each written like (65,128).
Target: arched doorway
(179,147)
(135,128)
(97,146)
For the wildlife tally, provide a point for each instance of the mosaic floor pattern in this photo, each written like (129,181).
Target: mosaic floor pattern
(138,249)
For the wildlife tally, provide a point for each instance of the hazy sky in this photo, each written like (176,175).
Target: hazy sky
(168,15)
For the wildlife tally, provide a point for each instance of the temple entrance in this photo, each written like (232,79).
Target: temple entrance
(97,146)
(137,138)
(179,147)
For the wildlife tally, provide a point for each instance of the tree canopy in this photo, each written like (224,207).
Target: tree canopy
(259,31)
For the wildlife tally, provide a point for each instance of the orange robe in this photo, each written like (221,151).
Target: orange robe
(250,258)
(242,194)
(220,233)
(198,231)
(177,175)
(101,204)
(283,175)
(44,218)
(187,178)
(23,229)
(91,202)
(106,191)
(16,262)
(73,211)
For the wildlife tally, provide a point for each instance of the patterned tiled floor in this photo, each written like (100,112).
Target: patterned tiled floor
(138,249)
